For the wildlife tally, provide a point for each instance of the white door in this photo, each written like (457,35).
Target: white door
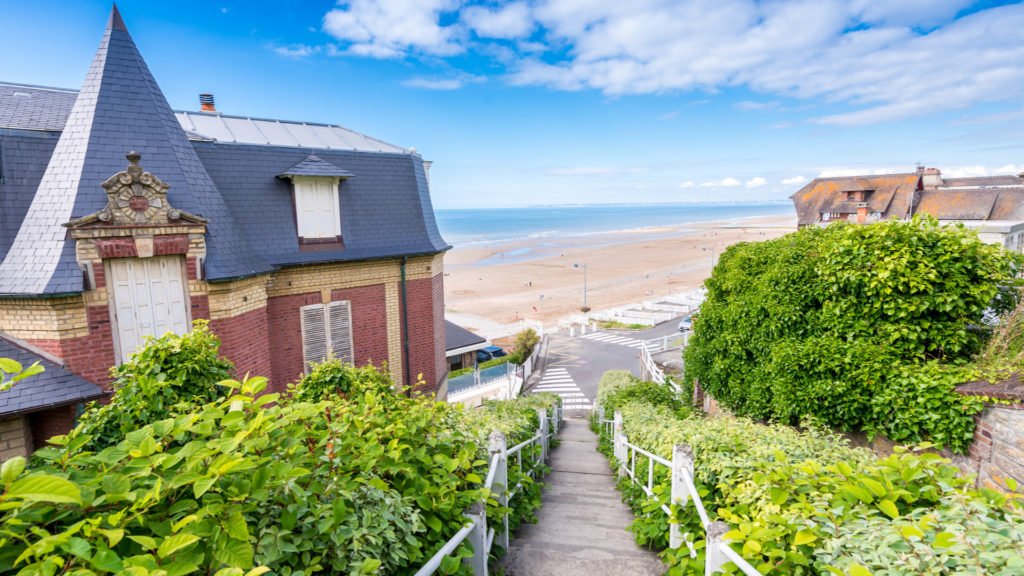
(149,299)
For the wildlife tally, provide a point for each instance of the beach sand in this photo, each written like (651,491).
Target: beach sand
(500,283)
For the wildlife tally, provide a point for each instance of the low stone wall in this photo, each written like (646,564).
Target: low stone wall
(15,437)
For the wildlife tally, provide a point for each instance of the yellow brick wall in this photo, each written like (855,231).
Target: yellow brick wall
(15,438)
(44,319)
(229,299)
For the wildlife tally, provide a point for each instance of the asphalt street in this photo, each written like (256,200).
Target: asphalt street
(585,358)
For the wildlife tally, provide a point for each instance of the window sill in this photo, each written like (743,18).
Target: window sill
(320,244)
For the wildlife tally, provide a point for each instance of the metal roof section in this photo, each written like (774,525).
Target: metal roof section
(119,108)
(50,389)
(459,340)
(312,165)
(260,131)
(29,107)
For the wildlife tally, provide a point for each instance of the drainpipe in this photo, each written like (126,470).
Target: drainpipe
(405,330)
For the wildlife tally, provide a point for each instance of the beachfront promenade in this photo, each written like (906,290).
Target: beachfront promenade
(581,527)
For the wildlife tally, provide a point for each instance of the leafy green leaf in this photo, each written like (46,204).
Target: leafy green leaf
(45,488)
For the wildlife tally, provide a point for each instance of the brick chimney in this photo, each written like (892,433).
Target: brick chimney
(931,178)
(862,213)
(206,103)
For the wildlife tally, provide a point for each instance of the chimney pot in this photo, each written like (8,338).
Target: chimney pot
(206,103)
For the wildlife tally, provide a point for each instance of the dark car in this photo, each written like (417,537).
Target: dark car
(489,353)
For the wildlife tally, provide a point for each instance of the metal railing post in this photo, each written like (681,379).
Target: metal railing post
(617,441)
(500,484)
(554,419)
(714,558)
(478,539)
(682,468)
(542,416)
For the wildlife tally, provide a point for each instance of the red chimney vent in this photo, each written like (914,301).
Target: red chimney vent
(206,103)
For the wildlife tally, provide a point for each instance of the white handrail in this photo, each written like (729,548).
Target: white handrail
(476,530)
(683,490)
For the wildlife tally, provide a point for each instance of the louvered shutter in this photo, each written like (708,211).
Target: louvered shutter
(314,334)
(340,321)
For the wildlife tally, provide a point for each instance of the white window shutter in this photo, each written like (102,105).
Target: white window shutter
(314,335)
(340,322)
(316,206)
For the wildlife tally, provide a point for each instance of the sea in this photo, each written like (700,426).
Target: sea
(473,226)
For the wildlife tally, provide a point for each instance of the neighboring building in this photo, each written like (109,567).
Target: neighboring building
(462,346)
(993,205)
(120,218)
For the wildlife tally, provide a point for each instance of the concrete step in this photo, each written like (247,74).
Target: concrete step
(583,562)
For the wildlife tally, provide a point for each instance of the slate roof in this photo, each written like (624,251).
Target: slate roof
(48,180)
(312,165)
(458,337)
(52,388)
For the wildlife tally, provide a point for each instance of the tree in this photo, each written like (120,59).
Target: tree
(525,341)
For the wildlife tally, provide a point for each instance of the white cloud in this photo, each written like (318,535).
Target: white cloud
(879,59)
(443,83)
(756,182)
(669,115)
(1009,169)
(687,184)
(508,22)
(979,170)
(296,51)
(392,28)
(794,180)
(728,182)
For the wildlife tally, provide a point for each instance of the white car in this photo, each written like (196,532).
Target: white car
(686,323)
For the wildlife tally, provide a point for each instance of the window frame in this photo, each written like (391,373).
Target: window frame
(303,188)
(328,340)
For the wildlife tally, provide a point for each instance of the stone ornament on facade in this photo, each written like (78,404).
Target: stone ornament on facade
(136,198)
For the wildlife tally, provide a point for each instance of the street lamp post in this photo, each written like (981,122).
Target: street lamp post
(584,266)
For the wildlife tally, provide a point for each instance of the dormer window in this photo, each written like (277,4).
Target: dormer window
(317,211)
(317,200)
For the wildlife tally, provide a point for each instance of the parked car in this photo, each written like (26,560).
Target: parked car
(489,353)
(686,324)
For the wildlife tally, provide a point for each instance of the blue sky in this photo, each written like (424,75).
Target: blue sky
(580,101)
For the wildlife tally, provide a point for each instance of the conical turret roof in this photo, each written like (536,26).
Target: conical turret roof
(119,108)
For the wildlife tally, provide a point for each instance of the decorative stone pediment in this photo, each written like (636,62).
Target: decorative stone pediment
(136,198)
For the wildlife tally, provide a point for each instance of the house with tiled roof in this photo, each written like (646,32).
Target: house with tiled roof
(992,205)
(121,218)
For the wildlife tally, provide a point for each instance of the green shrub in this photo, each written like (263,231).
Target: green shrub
(356,480)
(611,381)
(832,322)
(804,502)
(170,375)
(334,378)
(526,340)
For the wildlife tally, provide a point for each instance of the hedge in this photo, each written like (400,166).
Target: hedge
(805,502)
(838,322)
(355,481)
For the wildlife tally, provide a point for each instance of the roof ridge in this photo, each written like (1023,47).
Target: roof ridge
(38,87)
(866,176)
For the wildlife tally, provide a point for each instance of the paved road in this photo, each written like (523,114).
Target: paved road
(575,364)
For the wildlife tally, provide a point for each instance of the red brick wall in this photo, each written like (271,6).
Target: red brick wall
(244,341)
(285,337)
(49,423)
(369,322)
(200,307)
(88,356)
(426,331)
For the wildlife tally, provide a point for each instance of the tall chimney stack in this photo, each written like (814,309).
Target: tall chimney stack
(206,103)
(931,178)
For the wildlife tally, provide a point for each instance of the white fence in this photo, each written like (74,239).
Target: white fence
(504,381)
(649,369)
(480,537)
(682,492)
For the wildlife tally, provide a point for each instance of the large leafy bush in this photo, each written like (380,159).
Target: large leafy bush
(804,502)
(347,478)
(170,375)
(835,322)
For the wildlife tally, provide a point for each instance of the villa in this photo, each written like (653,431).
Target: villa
(992,205)
(121,218)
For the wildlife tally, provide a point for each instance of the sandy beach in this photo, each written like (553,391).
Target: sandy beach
(502,282)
